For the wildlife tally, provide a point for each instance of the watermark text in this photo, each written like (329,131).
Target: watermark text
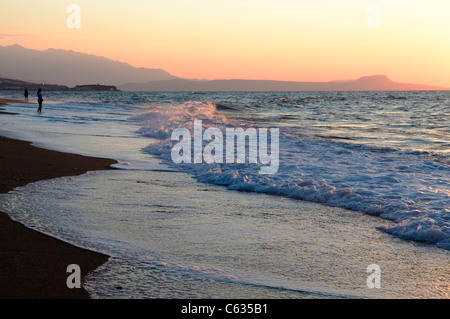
(234,143)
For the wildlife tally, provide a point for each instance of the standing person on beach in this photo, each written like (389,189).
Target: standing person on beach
(40,99)
(26,94)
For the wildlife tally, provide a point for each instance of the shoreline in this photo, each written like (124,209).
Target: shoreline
(33,265)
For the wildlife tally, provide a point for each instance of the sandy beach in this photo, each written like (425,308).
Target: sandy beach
(33,265)
(217,231)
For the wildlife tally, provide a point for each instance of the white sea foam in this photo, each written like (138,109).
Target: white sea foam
(403,186)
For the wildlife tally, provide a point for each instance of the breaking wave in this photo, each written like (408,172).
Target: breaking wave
(410,188)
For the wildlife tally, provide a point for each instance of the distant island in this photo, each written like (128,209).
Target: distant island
(17,85)
(94,87)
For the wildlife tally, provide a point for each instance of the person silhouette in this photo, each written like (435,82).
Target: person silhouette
(40,99)
(26,94)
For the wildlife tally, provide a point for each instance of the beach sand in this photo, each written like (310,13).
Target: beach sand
(33,265)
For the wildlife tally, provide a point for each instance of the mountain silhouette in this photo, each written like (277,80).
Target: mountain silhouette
(366,83)
(70,68)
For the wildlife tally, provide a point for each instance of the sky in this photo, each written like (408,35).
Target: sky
(289,40)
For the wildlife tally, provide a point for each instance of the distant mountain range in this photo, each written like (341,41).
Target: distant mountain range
(366,83)
(69,68)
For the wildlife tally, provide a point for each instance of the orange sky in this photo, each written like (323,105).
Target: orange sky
(248,39)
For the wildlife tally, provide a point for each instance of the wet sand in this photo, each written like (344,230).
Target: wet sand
(34,265)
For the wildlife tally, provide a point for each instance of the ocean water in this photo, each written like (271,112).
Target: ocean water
(363,179)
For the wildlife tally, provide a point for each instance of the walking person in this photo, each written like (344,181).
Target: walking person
(26,94)
(40,100)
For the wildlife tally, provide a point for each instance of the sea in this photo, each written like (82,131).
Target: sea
(363,183)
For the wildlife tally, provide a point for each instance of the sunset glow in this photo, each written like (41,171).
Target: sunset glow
(247,39)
